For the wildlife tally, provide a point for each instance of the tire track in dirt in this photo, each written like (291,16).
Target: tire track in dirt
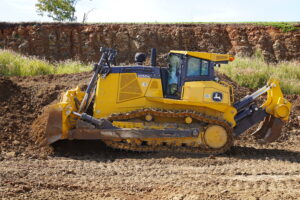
(157,175)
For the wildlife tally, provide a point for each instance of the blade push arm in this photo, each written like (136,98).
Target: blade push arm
(272,113)
(106,59)
(275,104)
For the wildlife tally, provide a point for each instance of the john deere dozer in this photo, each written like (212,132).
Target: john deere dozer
(181,107)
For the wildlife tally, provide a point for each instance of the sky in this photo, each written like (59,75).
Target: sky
(163,10)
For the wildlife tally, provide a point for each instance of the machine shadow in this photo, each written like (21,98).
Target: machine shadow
(262,153)
(96,150)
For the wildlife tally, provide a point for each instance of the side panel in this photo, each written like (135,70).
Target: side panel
(154,89)
(106,95)
(131,87)
(206,92)
(125,92)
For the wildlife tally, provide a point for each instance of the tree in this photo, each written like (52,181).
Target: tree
(58,10)
(86,14)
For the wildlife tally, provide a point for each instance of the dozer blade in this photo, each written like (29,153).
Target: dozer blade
(269,130)
(262,128)
(53,130)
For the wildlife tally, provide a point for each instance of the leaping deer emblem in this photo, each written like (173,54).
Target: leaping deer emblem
(217,96)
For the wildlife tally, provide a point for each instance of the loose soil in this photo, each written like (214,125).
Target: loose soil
(90,170)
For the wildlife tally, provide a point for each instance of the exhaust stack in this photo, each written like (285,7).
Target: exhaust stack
(153,57)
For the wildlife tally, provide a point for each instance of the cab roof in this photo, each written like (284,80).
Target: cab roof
(207,56)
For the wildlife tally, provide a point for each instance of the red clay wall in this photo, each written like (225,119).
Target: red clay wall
(56,41)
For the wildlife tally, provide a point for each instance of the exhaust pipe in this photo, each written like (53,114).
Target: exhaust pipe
(153,57)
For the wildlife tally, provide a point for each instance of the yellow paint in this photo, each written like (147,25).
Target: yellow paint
(67,106)
(276,104)
(215,136)
(188,120)
(148,118)
(202,91)
(120,93)
(207,56)
(142,94)
(282,110)
(231,91)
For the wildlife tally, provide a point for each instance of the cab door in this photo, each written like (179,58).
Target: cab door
(174,79)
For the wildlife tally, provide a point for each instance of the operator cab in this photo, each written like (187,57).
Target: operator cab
(185,66)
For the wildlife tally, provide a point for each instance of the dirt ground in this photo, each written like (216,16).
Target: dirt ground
(90,170)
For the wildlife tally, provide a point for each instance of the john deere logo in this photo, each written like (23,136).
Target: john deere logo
(217,96)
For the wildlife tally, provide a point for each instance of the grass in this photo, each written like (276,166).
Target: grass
(251,72)
(283,26)
(254,72)
(14,64)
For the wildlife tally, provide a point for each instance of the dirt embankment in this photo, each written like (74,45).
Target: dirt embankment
(22,99)
(56,41)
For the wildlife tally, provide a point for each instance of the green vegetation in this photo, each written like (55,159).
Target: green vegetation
(58,10)
(251,72)
(254,73)
(13,64)
(283,26)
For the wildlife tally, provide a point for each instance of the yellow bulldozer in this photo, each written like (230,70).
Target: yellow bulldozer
(182,107)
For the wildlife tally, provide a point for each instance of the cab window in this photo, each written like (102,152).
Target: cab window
(204,68)
(197,67)
(193,67)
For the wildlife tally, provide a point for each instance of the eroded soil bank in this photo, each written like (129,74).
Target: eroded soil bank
(56,41)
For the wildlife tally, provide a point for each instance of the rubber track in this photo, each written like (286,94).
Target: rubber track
(171,114)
